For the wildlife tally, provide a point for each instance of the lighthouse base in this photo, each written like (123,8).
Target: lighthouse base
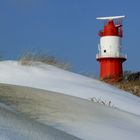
(111,69)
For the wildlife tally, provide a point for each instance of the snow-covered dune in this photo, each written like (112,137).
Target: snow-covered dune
(15,126)
(50,78)
(81,118)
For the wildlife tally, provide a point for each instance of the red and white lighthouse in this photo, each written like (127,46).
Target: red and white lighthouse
(110,56)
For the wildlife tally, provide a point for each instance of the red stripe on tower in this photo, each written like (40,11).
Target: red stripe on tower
(110,56)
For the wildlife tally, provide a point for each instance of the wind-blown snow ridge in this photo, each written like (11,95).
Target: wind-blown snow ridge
(48,77)
(14,126)
(75,116)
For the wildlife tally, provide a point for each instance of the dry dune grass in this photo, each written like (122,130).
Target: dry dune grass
(28,58)
(130,82)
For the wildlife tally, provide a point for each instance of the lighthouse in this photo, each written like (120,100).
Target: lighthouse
(110,55)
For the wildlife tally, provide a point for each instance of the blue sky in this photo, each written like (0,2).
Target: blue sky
(67,29)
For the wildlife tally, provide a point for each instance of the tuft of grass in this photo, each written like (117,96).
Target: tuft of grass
(28,58)
(129,86)
(100,101)
(130,82)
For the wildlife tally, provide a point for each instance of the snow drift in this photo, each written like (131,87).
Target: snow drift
(15,126)
(81,118)
(50,78)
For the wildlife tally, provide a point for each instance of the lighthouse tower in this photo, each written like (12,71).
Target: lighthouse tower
(110,56)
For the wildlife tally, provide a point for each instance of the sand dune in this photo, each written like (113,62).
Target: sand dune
(78,117)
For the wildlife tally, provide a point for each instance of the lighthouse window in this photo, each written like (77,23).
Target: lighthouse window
(104,51)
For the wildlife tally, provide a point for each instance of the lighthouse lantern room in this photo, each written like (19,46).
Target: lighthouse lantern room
(110,56)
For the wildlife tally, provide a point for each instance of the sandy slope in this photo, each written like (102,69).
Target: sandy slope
(81,118)
(54,79)
(15,126)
